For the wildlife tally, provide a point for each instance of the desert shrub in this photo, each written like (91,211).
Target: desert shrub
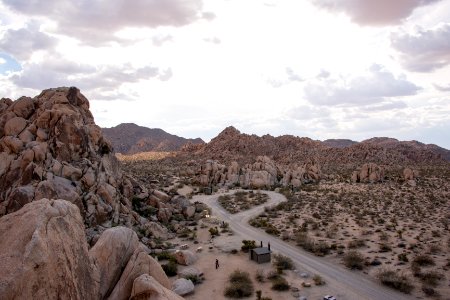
(429,291)
(318,280)
(403,257)
(431,278)
(272,230)
(214,231)
(423,260)
(280,284)
(248,245)
(354,260)
(171,268)
(283,262)
(166,256)
(394,280)
(240,285)
(194,278)
(384,247)
(356,244)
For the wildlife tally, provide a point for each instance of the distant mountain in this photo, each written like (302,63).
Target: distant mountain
(129,138)
(231,145)
(339,143)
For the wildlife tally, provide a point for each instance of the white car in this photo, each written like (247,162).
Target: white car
(328,297)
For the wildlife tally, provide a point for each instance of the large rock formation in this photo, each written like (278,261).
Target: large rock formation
(369,173)
(334,156)
(264,173)
(44,255)
(50,147)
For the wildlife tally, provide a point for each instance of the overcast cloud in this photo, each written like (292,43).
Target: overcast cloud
(23,42)
(374,12)
(96,21)
(374,86)
(424,50)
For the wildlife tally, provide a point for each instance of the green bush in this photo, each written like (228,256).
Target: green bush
(171,268)
(423,260)
(394,280)
(318,280)
(283,262)
(356,244)
(431,278)
(280,284)
(214,231)
(354,260)
(403,257)
(248,245)
(240,285)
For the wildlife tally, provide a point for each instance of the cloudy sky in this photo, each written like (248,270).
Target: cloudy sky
(318,68)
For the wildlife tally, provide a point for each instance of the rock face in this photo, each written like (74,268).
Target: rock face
(410,174)
(145,287)
(264,173)
(183,286)
(50,147)
(185,257)
(130,138)
(333,156)
(369,173)
(44,255)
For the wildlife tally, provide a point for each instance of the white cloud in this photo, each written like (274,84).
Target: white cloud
(375,85)
(23,42)
(95,21)
(374,12)
(103,81)
(424,50)
(2,61)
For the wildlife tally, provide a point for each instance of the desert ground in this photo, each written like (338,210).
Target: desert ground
(390,226)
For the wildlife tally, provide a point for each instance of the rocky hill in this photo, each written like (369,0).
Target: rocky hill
(231,145)
(73,225)
(129,138)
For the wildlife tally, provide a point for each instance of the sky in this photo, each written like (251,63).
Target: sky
(322,69)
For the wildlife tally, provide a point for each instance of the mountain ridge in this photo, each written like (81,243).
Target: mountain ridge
(130,138)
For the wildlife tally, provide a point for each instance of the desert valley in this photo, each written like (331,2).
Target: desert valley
(242,216)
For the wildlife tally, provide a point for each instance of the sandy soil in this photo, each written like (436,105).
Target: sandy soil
(216,280)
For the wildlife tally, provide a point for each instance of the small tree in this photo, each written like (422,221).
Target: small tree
(248,245)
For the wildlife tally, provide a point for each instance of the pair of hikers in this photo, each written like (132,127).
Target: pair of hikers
(217,263)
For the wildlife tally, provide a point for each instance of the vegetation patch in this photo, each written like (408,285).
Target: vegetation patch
(240,285)
(242,200)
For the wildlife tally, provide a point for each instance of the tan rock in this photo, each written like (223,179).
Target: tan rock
(111,254)
(145,287)
(44,253)
(140,263)
(185,257)
(23,107)
(15,126)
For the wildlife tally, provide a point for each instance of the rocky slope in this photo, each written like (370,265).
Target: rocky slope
(62,191)
(130,138)
(231,145)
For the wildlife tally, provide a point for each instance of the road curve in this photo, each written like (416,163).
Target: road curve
(341,282)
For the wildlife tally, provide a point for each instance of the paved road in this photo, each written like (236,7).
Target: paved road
(341,282)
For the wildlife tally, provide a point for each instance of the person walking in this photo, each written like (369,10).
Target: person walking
(217,263)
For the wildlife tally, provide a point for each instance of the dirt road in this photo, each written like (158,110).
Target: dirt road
(342,283)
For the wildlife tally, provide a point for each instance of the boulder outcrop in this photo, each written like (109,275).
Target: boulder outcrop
(50,147)
(44,255)
(369,173)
